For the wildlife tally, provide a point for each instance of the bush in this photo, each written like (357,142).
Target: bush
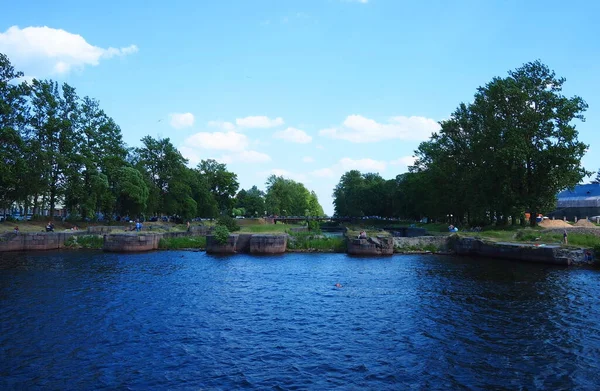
(86,241)
(182,242)
(314,226)
(221,234)
(228,222)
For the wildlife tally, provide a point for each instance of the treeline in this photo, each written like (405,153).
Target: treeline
(508,152)
(61,150)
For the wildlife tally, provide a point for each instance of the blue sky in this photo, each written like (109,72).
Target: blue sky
(307,89)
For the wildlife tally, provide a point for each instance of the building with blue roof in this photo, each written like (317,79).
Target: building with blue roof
(581,202)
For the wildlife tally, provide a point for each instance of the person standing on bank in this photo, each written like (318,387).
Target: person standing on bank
(565,240)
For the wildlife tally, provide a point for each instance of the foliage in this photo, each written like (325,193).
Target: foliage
(198,242)
(221,234)
(314,226)
(85,241)
(286,197)
(311,242)
(252,201)
(597,179)
(508,152)
(228,222)
(429,247)
(221,183)
(266,228)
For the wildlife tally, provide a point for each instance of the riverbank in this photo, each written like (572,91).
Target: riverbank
(533,245)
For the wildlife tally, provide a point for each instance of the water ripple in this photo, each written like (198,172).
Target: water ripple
(188,320)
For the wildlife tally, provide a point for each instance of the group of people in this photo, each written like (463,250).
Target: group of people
(362,235)
(452,228)
(50,226)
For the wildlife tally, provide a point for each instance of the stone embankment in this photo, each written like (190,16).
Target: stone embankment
(513,251)
(429,243)
(379,245)
(247,243)
(34,241)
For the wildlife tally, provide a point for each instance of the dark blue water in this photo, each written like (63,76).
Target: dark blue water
(187,320)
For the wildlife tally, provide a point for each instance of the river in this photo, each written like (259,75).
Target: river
(187,320)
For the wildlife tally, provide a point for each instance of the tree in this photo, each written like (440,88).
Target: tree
(287,197)
(597,180)
(252,201)
(132,192)
(512,150)
(222,184)
(161,164)
(13,111)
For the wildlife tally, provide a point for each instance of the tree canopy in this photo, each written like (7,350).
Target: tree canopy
(60,149)
(508,152)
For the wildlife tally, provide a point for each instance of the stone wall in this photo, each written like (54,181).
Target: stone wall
(104,229)
(371,246)
(214,247)
(131,242)
(268,244)
(407,232)
(440,243)
(513,251)
(243,243)
(33,241)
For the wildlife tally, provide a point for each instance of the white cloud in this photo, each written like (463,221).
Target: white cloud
(229,141)
(247,157)
(308,159)
(403,161)
(191,155)
(293,135)
(259,121)
(320,147)
(323,173)
(222,125)
(359,129)
(356,1)
(363,165)
(53,51)
(181,120)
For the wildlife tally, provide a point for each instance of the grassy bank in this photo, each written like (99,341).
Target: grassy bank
(306,241)
(197,242)
(85,241)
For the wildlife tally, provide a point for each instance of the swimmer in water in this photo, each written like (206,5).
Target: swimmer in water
(338,285)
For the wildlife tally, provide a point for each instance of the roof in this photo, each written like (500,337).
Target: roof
(582,195)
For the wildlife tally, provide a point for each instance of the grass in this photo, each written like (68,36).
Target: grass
(85,241)
(310,242)
(428,247)
(198,242)
(267,228)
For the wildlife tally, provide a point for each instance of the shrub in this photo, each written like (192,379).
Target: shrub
(183,242)
(228,222)
(86,241)
(221,234)
(314,226)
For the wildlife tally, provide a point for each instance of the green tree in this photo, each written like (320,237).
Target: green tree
(132,192)
(222,184)
(252,201)
(13,113)
(161,164)
(597,180)
(287,197)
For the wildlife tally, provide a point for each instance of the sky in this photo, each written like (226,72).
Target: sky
(306,89)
